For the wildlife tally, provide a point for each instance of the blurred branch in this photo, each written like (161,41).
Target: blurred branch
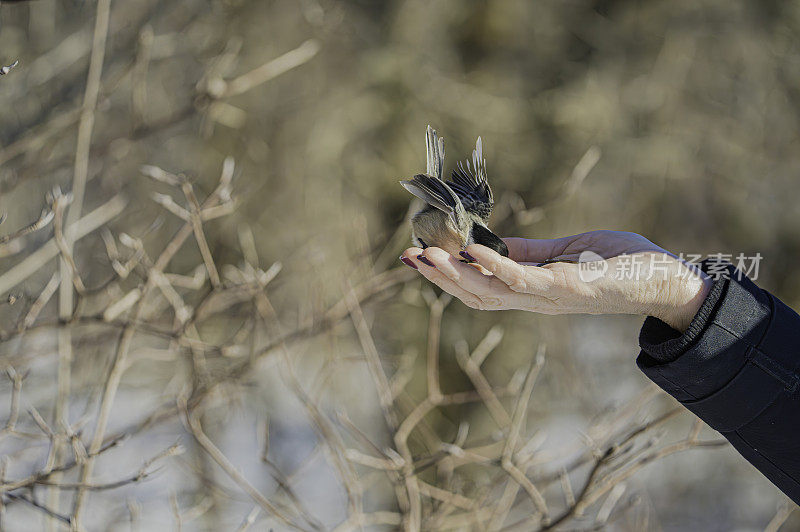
(219,88)
(47,511)
(208,446)
(174,318)
(34,261)
(786,509)
(120,361)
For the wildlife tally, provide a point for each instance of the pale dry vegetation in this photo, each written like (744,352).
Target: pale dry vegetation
(205,326)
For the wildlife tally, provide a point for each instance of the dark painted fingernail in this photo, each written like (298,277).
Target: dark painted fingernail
(424,260)
(467,256)
(408,262)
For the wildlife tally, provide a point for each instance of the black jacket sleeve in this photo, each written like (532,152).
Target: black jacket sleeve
(737,367)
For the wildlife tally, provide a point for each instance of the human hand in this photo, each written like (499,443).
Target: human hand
(655,283)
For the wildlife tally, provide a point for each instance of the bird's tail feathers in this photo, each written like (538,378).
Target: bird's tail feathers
(435,148)
(478,162)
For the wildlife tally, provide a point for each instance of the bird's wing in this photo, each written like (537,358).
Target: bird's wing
(437,194)
(435,145)
(471,184)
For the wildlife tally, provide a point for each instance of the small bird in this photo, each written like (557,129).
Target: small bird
(456,212)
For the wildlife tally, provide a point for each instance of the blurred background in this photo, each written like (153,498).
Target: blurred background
(205,325)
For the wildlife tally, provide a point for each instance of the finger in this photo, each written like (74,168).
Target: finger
(408,257)
(492,291)
(536,250)
(439,279)
(518,278)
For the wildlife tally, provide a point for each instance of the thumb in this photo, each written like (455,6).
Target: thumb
(536,250)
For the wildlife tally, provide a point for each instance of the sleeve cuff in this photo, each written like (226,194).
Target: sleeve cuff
(665,344)
(716,346)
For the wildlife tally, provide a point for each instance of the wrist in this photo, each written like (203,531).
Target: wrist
(682,298)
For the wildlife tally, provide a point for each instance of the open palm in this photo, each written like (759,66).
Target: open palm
(638,277)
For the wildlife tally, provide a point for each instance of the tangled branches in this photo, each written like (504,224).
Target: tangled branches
(165,318)
(178,354)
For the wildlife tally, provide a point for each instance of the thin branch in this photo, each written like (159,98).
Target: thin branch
(33,262)
(193,424)
(50,513)
(219,88)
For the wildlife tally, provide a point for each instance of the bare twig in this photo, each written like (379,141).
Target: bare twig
(208,446)
(219,88)
(30,264)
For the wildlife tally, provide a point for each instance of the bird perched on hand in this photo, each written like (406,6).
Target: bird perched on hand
(456,211)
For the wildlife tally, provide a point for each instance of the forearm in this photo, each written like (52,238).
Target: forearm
(737,367)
